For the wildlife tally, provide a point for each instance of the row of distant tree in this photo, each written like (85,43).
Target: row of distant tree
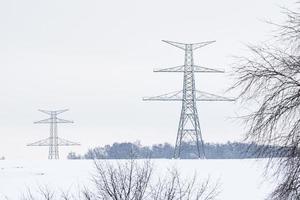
(127,150)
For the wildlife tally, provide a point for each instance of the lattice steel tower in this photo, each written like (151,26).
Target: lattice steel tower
(189,121)
(53,141)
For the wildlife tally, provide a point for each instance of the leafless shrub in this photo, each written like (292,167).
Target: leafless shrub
(124,181)
(45,193)
(173,187)
(270,80)
(131,180)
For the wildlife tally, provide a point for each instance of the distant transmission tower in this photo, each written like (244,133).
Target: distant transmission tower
(53,141)
(189,122)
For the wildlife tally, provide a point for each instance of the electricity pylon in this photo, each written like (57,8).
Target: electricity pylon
(53,141)
(189,121)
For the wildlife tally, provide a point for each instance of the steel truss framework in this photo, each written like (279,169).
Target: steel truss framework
(53,141)
(189,121)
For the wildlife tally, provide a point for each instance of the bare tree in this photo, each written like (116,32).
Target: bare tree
(269,81)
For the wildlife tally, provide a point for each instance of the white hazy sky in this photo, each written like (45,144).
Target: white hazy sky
(96,58)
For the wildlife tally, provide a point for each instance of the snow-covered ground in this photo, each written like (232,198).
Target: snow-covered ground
(238,179)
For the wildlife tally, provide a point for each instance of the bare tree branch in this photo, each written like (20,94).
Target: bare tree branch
(270,80)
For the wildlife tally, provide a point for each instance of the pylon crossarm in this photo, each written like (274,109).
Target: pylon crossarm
(45,111)
(194,45)
(64,142)
(48,112)
(202,44)
(196,68)
(200,69)
(176,44)
(205,96)
(47,142)
(178,96)
(171,69)
(44,142)
(58,120)
(61,111)
(44,121)
(172,96)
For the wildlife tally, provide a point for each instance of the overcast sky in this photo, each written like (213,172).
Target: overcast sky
(96,58)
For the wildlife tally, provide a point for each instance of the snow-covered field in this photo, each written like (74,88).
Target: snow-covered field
(238,179)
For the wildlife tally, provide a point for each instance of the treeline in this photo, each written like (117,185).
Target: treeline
(127,150)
